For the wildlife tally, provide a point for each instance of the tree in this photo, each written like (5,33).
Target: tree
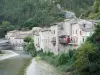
(28,39)
(83,61)
(31,48)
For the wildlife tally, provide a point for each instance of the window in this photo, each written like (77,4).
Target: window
(84,25)
(54,31)
(80,32)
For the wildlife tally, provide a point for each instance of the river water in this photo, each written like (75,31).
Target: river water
(15,65)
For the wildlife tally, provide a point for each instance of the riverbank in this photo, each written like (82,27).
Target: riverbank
(7,54)
(40,67)
(62,62)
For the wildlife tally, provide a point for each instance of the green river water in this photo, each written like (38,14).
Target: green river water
(15,65)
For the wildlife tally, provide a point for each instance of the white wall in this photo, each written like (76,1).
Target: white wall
(54,30)
(45,40)
(37,42)
(78,33)
(67,27)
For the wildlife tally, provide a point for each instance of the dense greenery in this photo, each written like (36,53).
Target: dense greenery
(29,46)
(25,14)
(29,13)
(94,11)
(4,27)
(27,39)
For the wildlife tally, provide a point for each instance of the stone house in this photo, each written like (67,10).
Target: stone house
(16,38)
(81,30)
(54,37)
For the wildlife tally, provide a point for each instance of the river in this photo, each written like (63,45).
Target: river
(15,65)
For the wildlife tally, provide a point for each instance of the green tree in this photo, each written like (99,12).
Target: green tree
(83,60)
(28,39)
(31,49)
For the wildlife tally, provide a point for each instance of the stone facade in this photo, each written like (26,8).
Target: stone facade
(54,37)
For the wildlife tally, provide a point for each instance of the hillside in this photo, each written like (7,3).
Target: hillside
(25,14)
(94,12)
(18,11)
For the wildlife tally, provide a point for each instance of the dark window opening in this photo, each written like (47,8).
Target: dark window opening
(84,25)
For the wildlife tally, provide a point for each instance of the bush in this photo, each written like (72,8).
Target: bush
(31,49)
(49,53)
(83,58)
(28,39)
(62,59)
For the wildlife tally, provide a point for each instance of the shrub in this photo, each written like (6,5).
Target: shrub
(62,59)
(71,53)
(49,53)
(31,49)
(28,39)
(83,60)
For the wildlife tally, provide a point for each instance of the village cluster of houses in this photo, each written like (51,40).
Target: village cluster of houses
(63,36)
(16,38)
(56,38)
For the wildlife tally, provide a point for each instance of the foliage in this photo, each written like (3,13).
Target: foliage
(62,59)
(29,13)
(83,58)
(4,27)
(94,13)
(6,23)
(27,39)
(31,49)
(29,46)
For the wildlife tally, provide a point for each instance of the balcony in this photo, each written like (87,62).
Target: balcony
(62,41)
